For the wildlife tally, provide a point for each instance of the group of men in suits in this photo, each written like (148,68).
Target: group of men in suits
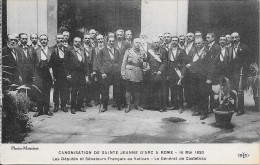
(143,74)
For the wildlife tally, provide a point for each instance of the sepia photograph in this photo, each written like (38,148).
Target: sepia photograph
(130,72)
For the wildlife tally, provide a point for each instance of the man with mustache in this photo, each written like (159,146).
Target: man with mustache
(96,73)
(34,41)
(122,46)
(240,58)
(66,43)
(132,73)
(60,93)
(181,42)
(107,65)
(157,58)
(43,76)
(91,89)
(128,36)
(200,69)
(190,49)
(176,61)
(223,59)
(25,55)
(77,73)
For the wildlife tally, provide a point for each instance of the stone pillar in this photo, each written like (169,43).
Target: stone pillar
(32,16)
(164,16)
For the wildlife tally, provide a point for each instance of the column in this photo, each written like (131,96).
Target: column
(32,16)
(164,16)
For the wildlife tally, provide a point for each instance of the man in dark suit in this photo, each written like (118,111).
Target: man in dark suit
(200,70)
(146,83)
(43,75)
(25,55)
(107,65)
(223,59)
(66,43)
(176,61)
(240,58)
(228,44)
(93,34)
(92,89)
(34,41)
(190,49)
(198,34)
(60,93)
(157,59)
(128,36)
(11,68)
(77,73)
(122,46)
(212,46)
(182,42)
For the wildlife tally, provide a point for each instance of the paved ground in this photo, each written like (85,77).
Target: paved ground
(147,126)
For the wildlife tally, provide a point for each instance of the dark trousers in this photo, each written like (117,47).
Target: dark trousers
(200,94)
(158,96)
(176,95)
(78,85)
(43,98)
(111,79)
(60,93)
(122,92)
(133,93)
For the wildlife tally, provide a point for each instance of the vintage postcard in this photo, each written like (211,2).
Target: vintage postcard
(130,82)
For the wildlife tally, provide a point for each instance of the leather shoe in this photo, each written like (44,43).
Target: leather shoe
(96,103)
(48,113)
(162,110)
(64,109)
(181,109)
(240,113)
(123,105)
(81,110)
(139,108)
(115,105)
(89,105)
(37,114)
(104,110)
(195,114)
(171,108)
(73,111)
(128,109)
(56,108)
(203,117)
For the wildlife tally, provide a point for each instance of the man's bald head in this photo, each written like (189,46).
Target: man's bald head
(156,42)
(198,43)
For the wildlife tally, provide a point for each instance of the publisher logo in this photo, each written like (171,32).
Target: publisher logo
(243,155)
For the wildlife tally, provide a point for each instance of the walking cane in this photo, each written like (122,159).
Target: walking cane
(100,96)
